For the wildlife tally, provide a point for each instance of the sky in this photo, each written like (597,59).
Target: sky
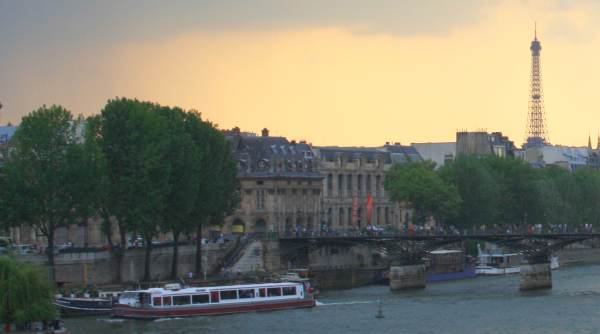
(339,72)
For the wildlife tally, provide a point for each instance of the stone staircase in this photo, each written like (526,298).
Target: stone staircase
(251,260)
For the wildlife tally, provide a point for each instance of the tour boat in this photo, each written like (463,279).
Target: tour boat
(73,306)
(162,303)
(498,263)
(504,263)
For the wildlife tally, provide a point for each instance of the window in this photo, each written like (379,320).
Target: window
(369,186)
(360,184)
(289,290)
(157,301)
(230,294)
(377,184)
(167,301)
(181,300)
(329,184)
(349,184)
(274,292)
(214,297)
(340,184)
(246,293)
(199,299)
(260,199)
(263,292)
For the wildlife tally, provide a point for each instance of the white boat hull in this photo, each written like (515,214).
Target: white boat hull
(487,270)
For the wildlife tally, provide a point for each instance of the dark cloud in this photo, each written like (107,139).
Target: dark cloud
(66,23)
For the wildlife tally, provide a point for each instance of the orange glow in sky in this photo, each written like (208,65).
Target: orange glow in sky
(343,85)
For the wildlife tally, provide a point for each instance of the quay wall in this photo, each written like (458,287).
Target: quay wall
(578,255)
(101,268)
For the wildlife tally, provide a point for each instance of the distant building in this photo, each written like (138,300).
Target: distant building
(483,143)
(6,133)
(280,187)
(439,153)
(351,175)
(570,158)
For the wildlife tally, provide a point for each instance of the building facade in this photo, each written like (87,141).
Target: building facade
(352,176)
(281,190)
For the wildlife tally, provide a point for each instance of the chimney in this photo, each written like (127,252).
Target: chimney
(265,132)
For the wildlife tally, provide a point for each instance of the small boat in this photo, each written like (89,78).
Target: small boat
(498,263)
(162,303)
(554,264)
(447,265)
(73,306)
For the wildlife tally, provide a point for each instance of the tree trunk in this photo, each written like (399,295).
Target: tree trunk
(50,250)
(107,227)
(199,251)
(174,262)
(148,245)
(121,253)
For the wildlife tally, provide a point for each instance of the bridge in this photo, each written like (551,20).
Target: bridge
(405,251)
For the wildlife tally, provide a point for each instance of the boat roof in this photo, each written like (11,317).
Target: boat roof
(445,251)
(162,291)
(501,255)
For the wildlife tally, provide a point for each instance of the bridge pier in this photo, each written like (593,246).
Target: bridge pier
(407,277)
(536,275)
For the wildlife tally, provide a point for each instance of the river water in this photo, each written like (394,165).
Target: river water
(478,305)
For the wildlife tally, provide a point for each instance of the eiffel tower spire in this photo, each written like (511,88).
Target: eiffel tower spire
(537,134)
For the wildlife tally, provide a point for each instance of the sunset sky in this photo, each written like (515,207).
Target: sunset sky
(341,72)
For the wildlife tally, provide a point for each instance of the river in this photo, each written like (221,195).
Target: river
(478,305)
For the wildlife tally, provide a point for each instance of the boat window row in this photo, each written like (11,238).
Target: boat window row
(216,296)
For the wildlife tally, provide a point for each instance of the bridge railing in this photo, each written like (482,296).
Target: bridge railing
(423,232)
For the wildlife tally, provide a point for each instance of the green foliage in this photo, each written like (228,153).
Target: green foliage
(218,192)
(47,175)
(428,193)
(509,193)
(25,295)
(163,169)
(134,138)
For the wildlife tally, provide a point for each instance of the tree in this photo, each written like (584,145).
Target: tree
(424,189)
(218,191)
(47,172)
(184,155)
(25,295)
(477,188)
(100,197)
(520,202)
(135,145)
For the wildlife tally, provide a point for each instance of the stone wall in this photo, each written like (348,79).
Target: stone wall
(100,268)
(575,255)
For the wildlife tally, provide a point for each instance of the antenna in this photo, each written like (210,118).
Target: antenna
(535,30)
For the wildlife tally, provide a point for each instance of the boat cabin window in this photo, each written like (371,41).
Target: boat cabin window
(289,291)
(167,301)
(214,297)
(229,294)
(145,299)
(181,300)
(274,292)
(157,301)
(263,292)
(199,299)
(246,293)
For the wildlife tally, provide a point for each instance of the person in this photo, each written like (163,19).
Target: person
(190,276)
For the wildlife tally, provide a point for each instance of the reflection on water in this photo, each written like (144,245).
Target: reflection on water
(479,305)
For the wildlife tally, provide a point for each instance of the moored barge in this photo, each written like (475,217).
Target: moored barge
(161,303)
